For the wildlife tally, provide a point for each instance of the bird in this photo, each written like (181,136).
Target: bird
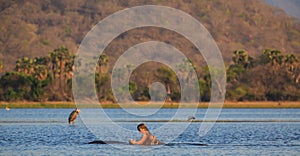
(73,116)
(191,118)
(7,108)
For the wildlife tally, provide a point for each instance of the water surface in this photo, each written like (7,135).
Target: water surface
(238,132)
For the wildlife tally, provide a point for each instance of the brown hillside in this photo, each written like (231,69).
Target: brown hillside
(33,28)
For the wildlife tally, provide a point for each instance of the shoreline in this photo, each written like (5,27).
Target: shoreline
(227,104)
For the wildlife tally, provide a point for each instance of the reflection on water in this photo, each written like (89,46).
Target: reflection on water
(46,132)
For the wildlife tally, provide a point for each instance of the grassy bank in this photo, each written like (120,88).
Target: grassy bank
(257,104)
(37,105)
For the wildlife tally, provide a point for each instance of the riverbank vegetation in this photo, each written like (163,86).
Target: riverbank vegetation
(271,76)
(63,104)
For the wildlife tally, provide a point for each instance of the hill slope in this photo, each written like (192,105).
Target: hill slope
(33,28)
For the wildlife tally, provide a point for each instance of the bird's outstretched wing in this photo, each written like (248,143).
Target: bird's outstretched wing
(72,116)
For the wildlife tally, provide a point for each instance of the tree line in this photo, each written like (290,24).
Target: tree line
(271,76)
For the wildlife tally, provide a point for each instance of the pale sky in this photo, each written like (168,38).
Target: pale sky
(291,7)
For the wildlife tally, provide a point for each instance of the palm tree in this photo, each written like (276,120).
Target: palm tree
(168,77)
(274,56)
(119,73)
(25,65)
(102,63)
(129,67)
(53,65)
(102,77)
(61,65)
(1,66)
(291,62)
(120,84)
(241,57)
(186,69)
(40,67)
(69,67)
(40,72)
(63,57)
(42,60)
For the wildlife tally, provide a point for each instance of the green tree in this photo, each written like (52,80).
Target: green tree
(16,86)
(119,73)
(103,63)
(241,57)
(102,85)
(132,87)
(61,70)
(37,73)
(275,57)
(186,69)
(291,64)
(102,77)
(204,88)
(40,72)
(234,73)
(1,66)
(291,61)
(25,65)
(168,77)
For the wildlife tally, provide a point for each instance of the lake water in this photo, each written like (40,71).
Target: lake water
(237,132)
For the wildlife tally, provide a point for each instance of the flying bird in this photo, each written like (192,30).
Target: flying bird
(73,116)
